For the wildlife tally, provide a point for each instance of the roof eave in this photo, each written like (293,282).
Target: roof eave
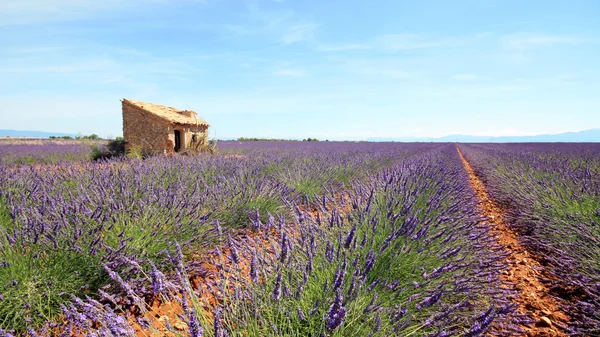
(163,118)
(190,124)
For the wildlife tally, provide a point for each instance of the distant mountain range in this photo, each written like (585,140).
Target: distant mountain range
(592,136)
(32,134)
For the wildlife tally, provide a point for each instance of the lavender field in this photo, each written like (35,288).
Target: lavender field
(24,152)
(295,239)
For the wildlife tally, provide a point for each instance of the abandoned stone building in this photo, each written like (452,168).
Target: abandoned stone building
(154,128)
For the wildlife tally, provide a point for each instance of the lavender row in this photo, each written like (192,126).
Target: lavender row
(551,193)
(63,225)
(42,153)
(410,256)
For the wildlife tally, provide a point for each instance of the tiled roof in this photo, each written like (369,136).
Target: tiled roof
(168,113)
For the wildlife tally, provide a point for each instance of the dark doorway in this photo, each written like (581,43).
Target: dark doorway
(177,140)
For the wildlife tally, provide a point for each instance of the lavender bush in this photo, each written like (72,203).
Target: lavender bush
(411,258)
(551,195)
(43,152)
(63,226)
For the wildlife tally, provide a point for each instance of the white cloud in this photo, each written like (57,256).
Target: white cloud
(285,26)
(419,41)
(407,41)
(299,33)
(14,12)
(40,11)
(60,6)
(124,70)
(23,6)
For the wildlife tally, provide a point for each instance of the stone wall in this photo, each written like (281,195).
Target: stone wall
(149,133)
(201,135)
(141,129)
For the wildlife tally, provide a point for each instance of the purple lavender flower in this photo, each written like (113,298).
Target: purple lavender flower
(255,219)
(300,290)
(32,333)
(195,328)
(356,260)
(399,313)
(336,314)
(377,323)
(253,268)
(349,237)
(126,287)
(117,325)
(218,227)
(217,324)
(233,253)
(369,262)
(144,322)
(301,315)
(329,251)
(4,333)
(430,300)
(315,308)
(284,248)
(481,325)
(338,281)
(371,304)
(158,285)
(277,288)
(309,265)
(374,284)
(363,242)
(352,285)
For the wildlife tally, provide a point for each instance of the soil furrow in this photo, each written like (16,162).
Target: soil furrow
(216,264)
(524,273)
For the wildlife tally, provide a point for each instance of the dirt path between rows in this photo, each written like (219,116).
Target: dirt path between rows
(217,263)
(524,271)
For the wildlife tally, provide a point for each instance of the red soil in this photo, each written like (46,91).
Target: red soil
(216,265)
(524,270)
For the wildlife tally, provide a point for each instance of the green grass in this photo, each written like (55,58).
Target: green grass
(238,213)
(555,202)
(34,281)
(401,262)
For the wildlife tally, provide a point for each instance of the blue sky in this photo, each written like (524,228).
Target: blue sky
(335,69)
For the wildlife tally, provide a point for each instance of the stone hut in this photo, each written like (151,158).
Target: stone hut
(154,128)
